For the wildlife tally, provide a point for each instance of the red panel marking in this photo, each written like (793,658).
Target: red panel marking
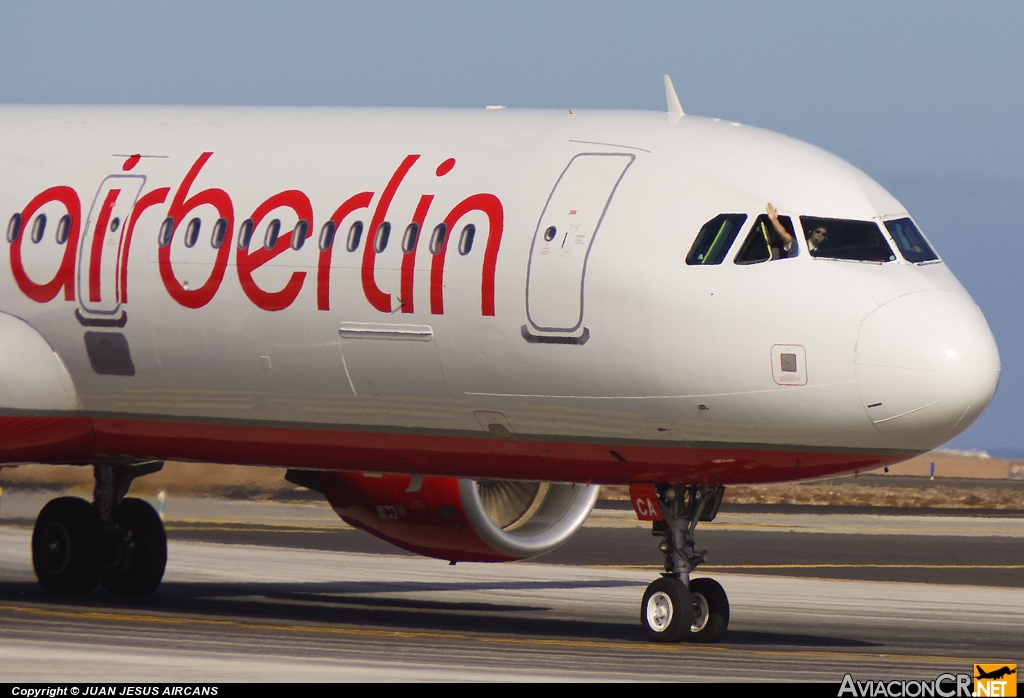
(645,501)
(65,275)
(96,254)
(445,167)
(378,299)
(131,162)
(409,258)
(248,262)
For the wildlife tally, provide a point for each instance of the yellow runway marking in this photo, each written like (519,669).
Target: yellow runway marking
(429,635)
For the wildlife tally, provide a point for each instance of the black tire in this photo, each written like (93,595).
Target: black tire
(65,546)
(667,610)
(140,575)
(710,611)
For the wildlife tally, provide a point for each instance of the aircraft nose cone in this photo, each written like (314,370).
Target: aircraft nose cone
(927,367)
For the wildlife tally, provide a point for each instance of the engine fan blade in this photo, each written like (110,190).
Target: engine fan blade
(506,501)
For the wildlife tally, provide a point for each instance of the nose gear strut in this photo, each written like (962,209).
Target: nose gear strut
(674,607)
(683,508)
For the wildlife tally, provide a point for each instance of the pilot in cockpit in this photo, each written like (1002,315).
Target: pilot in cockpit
(788,248)
(816,237)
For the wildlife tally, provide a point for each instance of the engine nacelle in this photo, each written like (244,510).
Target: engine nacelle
(458,519)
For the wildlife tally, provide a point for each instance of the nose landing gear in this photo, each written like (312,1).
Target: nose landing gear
(116,541)
(675,607)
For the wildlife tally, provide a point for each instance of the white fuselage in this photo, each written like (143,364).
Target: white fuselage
(598,355)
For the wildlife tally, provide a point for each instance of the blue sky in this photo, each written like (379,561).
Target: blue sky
(927,97)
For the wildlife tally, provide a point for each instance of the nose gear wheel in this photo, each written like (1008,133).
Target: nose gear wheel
(667,610)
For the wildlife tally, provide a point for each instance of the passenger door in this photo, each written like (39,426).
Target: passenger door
(101,248)
(562,242)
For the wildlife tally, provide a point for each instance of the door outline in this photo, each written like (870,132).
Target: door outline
(583,276)
(98,315)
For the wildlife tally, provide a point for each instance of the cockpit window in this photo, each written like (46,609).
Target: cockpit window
(764,243)
(715,238)
(836,238)
(908,238)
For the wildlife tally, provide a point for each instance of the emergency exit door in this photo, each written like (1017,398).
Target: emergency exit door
(565,234)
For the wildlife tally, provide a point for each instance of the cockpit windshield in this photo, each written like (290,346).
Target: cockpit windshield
(837,238)
(908,238)
(715,238)
(764,243)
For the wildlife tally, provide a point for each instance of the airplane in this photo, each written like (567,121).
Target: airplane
(994,674)
(457,324)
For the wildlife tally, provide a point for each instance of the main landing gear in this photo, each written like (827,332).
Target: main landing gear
(675,607)
(115,541)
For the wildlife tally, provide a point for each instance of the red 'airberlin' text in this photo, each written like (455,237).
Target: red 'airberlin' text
(186,197)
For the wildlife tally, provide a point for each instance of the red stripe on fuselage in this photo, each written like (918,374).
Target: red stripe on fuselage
(82,439)
(45,439)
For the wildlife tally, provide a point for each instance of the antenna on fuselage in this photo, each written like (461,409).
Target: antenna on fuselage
(674,107)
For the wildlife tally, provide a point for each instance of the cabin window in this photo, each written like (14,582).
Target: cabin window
(355,233)
(273,232)
(63,229)
(299,234)
(911,242)
(166,232)
(837,238)
(380,240)
(550,233)
(115,224)
(245,232)
(437,238)
(466,239)
(412,233)
(764,243)
(14,227)
(220,233)
(715,238)
(38,228)
(327,232)
(192,232)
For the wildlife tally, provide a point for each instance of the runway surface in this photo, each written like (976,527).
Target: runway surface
(285,592)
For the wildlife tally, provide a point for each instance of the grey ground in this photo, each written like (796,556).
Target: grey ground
(269,591)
